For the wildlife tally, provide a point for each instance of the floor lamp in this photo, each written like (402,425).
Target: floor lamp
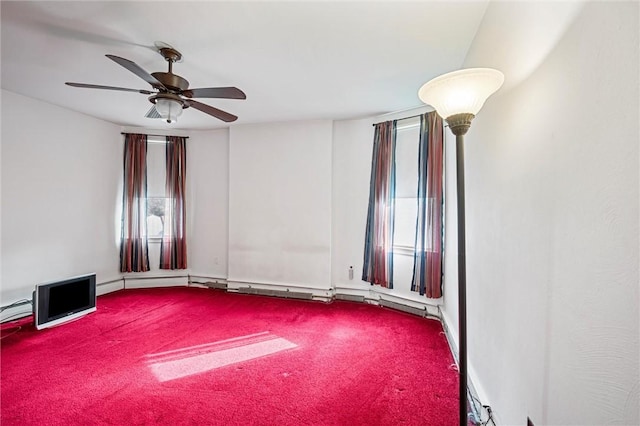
(458,96)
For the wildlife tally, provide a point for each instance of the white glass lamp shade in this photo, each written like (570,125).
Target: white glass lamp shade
(169,109)
(461,92)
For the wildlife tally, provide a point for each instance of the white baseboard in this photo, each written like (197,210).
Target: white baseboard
(318,293)
(156,281)
(109,286)
(204,279)
(473,381)
(431,308)
(362,292)
(375,294)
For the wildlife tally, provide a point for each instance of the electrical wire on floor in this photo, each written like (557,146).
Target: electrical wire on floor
(10,318)
(19,314)
(490,418)
(18,328)
(486,408)
(16,316)
(16,303)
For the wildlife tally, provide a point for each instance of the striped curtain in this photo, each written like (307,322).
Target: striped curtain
(134,254)
(173,249)
(427,265)
(378,244)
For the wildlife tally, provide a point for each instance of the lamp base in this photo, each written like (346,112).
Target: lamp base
(460,123)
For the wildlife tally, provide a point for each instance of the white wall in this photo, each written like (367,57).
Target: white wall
(60,177)
(280,204)
(208,202)
(351,170)
(450,273)
(552,227)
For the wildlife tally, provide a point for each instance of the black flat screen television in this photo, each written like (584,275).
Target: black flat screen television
(60,301)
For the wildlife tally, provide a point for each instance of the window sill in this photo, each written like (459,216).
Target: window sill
(404,250)
(407,250)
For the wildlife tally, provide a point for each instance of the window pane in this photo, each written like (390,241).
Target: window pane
(155,216)
(407,142)
(156,174)
(404,233)
(156,169)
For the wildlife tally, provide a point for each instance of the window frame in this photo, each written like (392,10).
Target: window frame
(410,125)
(154,142)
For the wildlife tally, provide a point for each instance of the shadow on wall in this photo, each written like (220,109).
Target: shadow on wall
(524,32)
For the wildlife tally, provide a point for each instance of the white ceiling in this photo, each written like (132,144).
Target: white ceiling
(294,60)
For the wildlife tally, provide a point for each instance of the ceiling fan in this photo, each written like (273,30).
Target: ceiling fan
(172,93)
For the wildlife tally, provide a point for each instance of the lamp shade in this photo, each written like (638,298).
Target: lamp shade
(461,92)
(169,109)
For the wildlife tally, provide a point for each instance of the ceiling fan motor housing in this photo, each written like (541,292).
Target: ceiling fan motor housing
(171,81)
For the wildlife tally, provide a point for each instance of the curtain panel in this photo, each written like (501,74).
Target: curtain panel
(427,266)
(378,251)
(134,253)
(173,249)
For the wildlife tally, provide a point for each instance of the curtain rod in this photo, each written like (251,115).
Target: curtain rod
(400,119)
(406,118)
(149,134)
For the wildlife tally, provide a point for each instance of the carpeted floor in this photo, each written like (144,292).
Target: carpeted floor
(173,356)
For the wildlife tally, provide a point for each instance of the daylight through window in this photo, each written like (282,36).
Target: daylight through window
(156,175)
(407,143)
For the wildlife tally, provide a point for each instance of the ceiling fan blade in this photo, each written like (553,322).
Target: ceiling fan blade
(137,70)
(121,89)
(215,112)
(153,113)
(215,92)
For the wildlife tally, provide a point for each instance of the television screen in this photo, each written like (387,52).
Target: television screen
(60,301)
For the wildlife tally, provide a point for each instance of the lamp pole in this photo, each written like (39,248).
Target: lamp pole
(459,125)
(459,96)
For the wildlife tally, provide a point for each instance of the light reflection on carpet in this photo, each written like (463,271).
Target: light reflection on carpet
(175,364)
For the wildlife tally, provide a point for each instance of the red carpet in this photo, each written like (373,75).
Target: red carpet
(173,356)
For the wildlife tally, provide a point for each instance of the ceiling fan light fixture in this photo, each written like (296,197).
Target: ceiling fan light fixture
(169,109)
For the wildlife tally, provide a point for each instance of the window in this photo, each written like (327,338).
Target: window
(407,144)
(156,176)
(155,216)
